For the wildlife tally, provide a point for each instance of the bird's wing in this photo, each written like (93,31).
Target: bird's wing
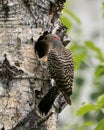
(62,70)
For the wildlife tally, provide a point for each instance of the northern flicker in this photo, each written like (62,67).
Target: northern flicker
(61,69)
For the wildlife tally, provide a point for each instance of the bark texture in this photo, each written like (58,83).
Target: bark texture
(21,76)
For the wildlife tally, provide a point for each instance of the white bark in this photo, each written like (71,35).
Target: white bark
(20,20)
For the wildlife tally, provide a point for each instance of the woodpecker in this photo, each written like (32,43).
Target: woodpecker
(61,69)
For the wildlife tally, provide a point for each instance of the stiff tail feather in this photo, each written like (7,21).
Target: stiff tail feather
(47,102)
(67,97)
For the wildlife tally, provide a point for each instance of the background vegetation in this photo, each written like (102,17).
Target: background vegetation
(84,20)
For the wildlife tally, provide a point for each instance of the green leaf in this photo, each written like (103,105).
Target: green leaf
(65,21)
(103,5)
(99,71)
(92,46)
(100,101)
(102,109)
(100,126)
(88,123)
(99,75)
(81,128)
(70,13)
(85,109)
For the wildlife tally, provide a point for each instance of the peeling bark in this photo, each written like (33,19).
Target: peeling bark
(23,82)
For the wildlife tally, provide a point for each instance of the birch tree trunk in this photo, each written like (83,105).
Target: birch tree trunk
(21,77)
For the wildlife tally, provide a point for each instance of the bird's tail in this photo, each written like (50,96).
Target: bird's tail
(47,102)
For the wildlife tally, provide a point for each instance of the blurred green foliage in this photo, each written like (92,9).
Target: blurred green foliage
(91,114)
(67,15)
(103,9)
(99,106)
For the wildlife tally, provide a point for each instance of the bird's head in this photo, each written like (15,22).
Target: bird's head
(52,40)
